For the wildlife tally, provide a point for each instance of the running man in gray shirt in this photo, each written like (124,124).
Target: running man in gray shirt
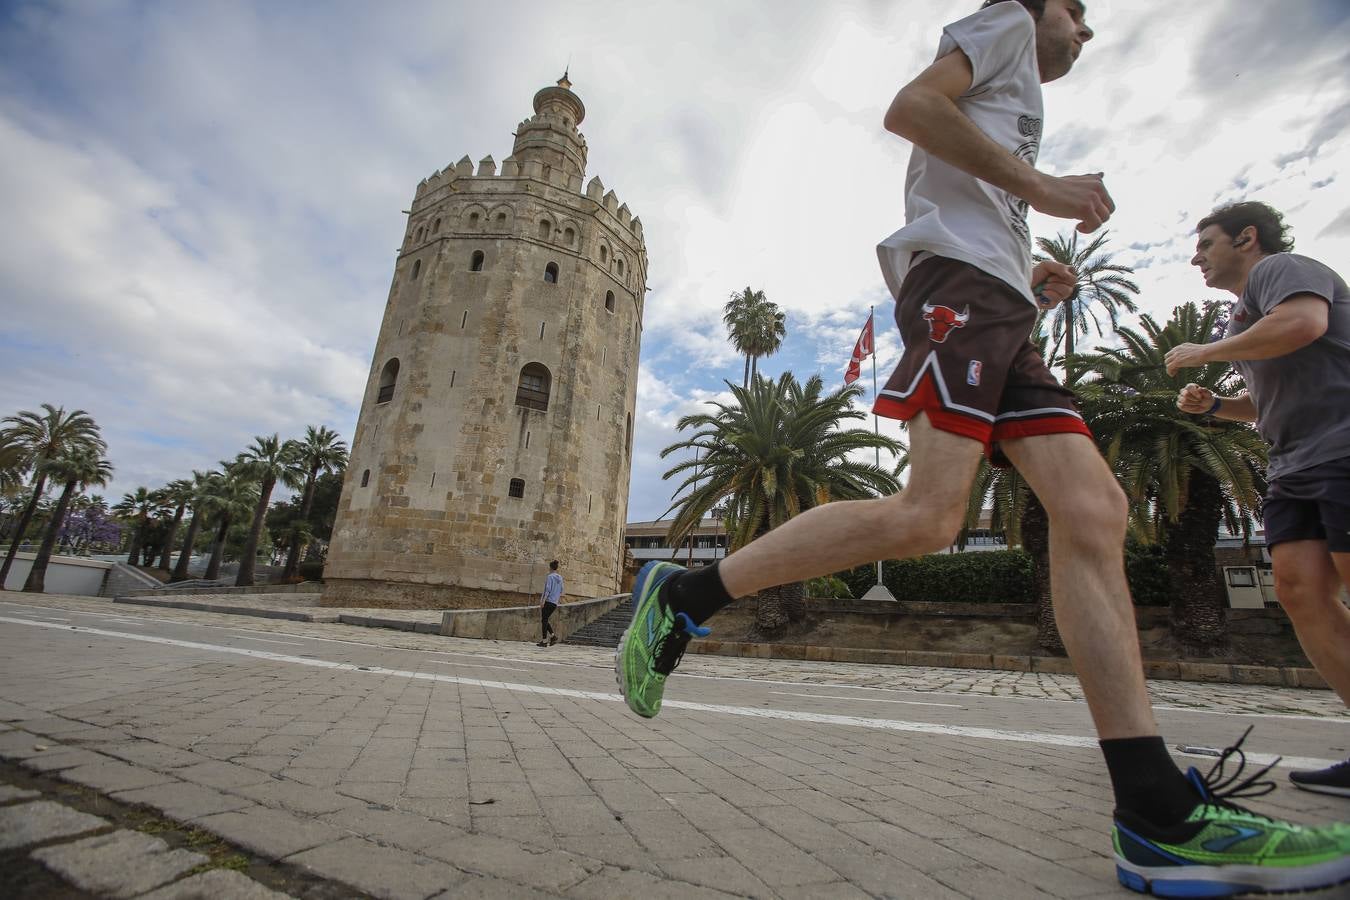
(1289,338)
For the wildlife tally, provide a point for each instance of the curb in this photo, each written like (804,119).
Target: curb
(227,609)
(1158,670)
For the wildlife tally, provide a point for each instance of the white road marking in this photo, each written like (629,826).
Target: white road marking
(460,665)
(244,637)
(968,731)
(867,699)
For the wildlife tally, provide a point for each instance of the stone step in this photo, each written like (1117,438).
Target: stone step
(606,630)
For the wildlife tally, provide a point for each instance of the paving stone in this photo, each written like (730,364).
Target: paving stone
(121,864)
(475,887)
(270,833)
(549,870)
(218,884)
(59,758)
(611,882)
(33,823)
(110,775)
(9,793)
(301,798)
(182,801)
(381,871)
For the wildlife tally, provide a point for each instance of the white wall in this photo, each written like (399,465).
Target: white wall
(65,575)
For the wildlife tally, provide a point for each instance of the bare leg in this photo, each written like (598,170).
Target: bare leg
(922,518)
(1308,580)
(1087,577)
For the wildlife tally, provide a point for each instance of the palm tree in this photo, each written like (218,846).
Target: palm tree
(320,451)
(80,468)
(200,483)
(227,496)
(1100,283)
(13,462)
(139,507)
(775,451)
(267,461)
(177,493)
(756,327)
(1184,474)
(44,437)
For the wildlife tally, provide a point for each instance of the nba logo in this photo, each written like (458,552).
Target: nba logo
(973,373)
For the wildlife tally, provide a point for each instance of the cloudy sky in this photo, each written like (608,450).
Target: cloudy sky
(200,200)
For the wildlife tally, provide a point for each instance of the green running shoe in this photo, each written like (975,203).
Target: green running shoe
(1222,849)
(654,642)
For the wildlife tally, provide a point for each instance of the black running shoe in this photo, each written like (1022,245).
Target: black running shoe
(1332,780)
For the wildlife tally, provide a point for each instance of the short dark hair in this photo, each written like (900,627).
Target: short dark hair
(1035,7)
(1271,232)
(553,565)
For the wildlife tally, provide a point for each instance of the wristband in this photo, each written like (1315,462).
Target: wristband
(1218,401)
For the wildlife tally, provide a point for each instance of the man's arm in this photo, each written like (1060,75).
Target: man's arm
(1293,325)
(925,114)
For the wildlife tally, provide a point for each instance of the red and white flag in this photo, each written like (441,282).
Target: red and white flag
(865,347)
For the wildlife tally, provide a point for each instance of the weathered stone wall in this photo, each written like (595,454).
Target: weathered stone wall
(435,521)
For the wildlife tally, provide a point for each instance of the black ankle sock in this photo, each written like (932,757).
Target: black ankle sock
(698,593)
(1146,780)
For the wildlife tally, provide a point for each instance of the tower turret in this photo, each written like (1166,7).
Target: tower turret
(550,136)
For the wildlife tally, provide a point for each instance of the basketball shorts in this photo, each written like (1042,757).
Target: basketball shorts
(1310,505)
(968,364)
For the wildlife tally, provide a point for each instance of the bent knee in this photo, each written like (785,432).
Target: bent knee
(924,524)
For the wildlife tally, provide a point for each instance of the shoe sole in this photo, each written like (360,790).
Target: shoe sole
(1228,881)
(1321,789)
(638,586)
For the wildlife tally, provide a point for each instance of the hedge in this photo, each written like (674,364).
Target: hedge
(998,576)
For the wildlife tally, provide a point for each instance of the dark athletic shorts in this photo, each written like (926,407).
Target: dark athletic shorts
(968,364)
(1311,505)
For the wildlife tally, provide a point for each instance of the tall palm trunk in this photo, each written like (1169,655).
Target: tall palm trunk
(746,380)
(37,575)
(306,504)
(137,536)
(168,538)
(246,562)
(180,569)
(218,549)
(1036,541)
(39,483)
(1198,620)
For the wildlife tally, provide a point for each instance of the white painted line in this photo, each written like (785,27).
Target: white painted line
(866,699)
(460,665)
(244,637)
(989,734)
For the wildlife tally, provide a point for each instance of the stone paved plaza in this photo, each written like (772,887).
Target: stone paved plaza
(408,765)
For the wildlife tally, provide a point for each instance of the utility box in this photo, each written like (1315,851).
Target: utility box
(1267,578)
(1244,587)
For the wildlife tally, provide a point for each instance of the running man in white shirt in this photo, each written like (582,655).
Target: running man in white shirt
(969,384)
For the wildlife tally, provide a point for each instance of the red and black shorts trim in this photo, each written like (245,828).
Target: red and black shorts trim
(968,365)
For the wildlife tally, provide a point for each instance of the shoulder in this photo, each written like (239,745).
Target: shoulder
(1009,20)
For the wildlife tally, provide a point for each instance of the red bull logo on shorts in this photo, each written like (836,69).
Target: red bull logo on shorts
(942,319)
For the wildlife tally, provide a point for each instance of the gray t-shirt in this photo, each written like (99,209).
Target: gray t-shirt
(1302,398)
(952,214)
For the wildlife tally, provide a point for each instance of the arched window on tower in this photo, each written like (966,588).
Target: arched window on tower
(551,273)
(604,255)
(620,268)
(476,261)
(365,478)
(570,236)
(417,268)
(436,227)
(533,390)
(388,378)
(473,220)
(545,229)
(609,301)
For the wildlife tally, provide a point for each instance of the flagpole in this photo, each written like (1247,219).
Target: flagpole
(876,423)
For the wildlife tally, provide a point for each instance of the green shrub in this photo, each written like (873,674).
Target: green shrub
(1146,569)
(999,576)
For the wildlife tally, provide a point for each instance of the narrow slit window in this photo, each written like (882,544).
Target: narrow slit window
(464,320)
(527,440)
(433,479)
(365,478)
(452,377)
(541,330)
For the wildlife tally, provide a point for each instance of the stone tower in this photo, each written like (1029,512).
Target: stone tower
(497,424)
